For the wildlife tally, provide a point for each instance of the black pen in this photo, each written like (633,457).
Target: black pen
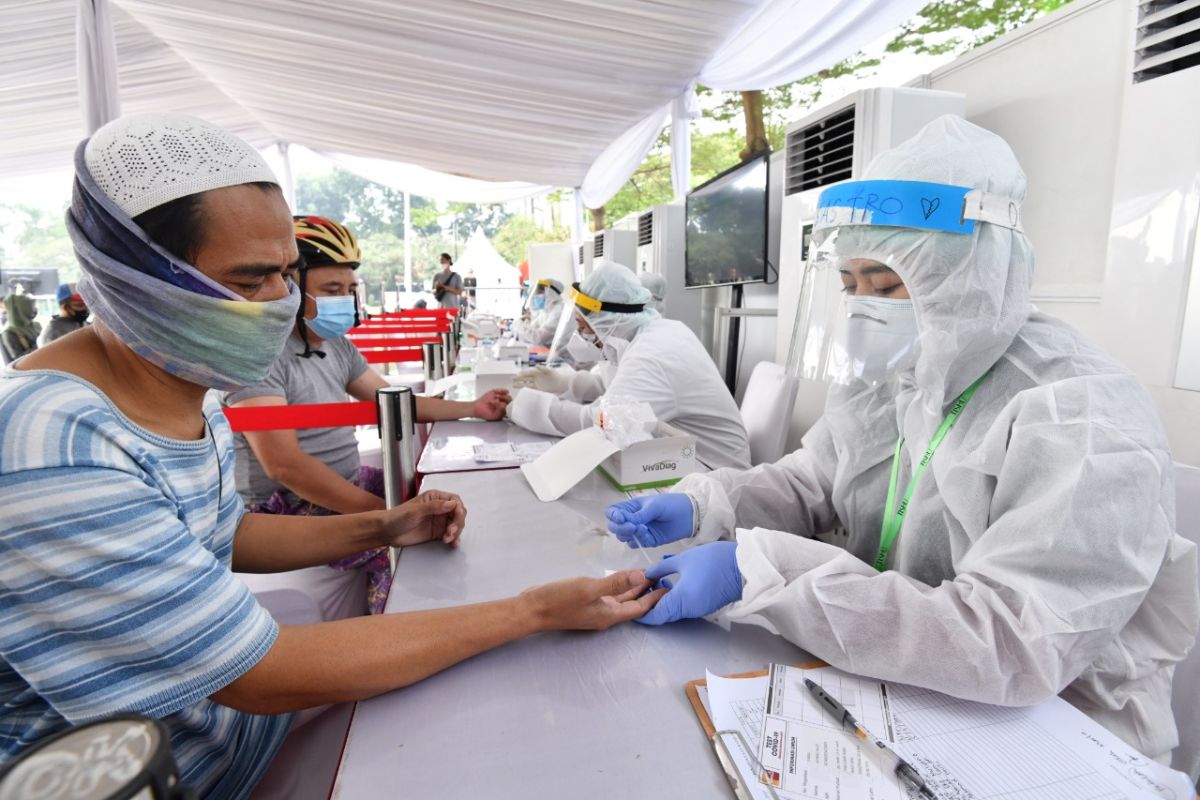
(875,747)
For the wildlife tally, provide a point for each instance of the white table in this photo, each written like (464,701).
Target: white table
(581,715)
(451,445)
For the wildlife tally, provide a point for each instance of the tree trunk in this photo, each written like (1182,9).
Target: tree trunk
(756,130)
(598,219)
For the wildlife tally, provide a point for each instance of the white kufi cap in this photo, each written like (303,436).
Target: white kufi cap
(142,161)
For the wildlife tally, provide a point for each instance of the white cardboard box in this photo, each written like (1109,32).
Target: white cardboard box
(494,375)
(661,461)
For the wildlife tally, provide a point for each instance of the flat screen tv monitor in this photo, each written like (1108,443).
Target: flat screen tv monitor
(726,240)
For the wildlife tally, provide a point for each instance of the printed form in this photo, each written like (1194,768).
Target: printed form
(963,750)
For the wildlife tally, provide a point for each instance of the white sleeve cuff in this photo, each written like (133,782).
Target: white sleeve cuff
(713,516)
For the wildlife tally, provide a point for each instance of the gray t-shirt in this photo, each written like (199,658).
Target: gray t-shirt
(300,381)
(448,277)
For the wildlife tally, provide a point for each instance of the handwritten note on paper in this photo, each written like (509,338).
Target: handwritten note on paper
(974,751)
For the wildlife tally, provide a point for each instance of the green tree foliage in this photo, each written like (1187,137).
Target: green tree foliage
(513,238)
(367,207)
(42,242)
(943,26)
(466,217)
(949,26)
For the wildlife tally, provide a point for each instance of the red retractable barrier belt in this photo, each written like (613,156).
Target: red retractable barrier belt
(290,418)
(367,342)
(392,356)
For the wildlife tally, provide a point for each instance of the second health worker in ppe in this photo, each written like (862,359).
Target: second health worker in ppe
(1005,486)
(658,361)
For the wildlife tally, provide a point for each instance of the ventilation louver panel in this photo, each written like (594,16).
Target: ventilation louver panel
(1168,38)
(598,247)
(646,228)
(821,153)
(580,261)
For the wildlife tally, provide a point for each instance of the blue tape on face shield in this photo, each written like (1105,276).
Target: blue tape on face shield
(915,205)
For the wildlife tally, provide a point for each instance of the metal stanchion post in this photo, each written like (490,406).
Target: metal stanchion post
(434,362)
(397,443)
(448,352)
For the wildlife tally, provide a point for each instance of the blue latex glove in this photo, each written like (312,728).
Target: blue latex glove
(709,579)
(651,521)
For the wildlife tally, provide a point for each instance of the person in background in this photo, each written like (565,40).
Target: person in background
(448,285)
(469,283)
(317,470)
(656,285)
(120,520)
(1006,488)
(658,361)
(542,313)
(20,335)
(72,314)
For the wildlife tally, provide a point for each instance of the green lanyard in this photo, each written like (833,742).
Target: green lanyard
(893,517)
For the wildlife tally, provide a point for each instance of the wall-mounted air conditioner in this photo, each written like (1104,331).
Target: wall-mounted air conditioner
(660,239)
(1151,299)
(582,253)
(828,146)
(629,222)
(619,245)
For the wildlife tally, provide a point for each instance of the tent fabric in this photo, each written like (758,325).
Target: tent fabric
(542,92)
(490,268)
(436,185)
(783,41)
(96,56)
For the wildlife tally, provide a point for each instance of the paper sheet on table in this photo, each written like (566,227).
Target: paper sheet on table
(510,452)
(440,386)
(964,750)
(736,708)
(567,463)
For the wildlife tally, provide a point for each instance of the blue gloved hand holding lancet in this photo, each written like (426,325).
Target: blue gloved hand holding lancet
(651,521)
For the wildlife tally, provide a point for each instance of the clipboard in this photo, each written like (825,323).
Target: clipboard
(716,738)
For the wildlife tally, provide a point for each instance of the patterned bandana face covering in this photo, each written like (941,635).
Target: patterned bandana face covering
(164,309)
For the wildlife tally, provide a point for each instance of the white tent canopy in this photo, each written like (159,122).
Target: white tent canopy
(498,282)
(540,92)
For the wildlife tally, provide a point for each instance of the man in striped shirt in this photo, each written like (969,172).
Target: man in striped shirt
(120,522)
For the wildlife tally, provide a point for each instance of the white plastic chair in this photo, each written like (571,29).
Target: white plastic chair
(767,410)
(1185,696)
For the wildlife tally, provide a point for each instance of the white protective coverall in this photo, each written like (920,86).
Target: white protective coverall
(1038,554)
(539,329)
(658,361)
(656,285)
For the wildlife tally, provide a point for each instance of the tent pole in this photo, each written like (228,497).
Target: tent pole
(96,64)
(289,183)
(407,242)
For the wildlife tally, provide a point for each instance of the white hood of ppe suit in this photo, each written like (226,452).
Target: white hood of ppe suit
(1038,552)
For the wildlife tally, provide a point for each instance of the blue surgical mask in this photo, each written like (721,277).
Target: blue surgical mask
(335,316)
(539,302)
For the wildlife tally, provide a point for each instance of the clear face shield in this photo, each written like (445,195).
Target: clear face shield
(854,324)
(541,296)
(573,343)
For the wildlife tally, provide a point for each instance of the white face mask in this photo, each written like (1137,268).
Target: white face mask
(583,348)
(881,336)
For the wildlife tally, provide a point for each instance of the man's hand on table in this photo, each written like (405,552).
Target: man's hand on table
(591,603)
(492,405)
(428,516)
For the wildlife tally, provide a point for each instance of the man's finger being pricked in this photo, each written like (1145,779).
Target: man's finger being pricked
(636,591)
(639,606)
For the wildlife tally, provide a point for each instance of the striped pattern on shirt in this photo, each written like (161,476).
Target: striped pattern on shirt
(115,585)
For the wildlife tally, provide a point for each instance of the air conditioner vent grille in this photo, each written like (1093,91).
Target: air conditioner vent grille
(580,261)
(821,153)
(1168,38)
(646,228)
(598,246)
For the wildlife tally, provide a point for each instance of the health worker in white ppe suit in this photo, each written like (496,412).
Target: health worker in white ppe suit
(588,379)
(1006,487)
(658,361)
(542,312)
(656,285)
